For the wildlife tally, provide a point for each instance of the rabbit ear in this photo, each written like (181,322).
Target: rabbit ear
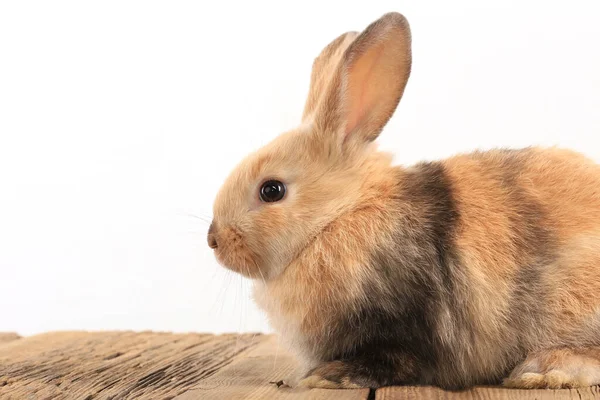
(367,84)
(323,68)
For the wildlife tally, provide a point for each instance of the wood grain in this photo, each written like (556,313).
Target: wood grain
(481,393)
(124,365)
(249,377)
(151,365)
(8,337)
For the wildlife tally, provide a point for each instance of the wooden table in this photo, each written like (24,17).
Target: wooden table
(151,365)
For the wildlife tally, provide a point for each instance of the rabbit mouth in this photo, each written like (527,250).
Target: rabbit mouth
(233,254)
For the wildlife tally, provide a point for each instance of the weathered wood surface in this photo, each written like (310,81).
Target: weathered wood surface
(150,365)
(481,393)
(253,375)
(6,337)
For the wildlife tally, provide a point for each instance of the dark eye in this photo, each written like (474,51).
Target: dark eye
(271,191)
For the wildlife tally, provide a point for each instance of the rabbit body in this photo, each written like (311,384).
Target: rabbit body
(478,269)
(451,272)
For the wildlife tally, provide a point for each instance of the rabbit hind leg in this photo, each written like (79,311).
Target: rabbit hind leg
(557,369)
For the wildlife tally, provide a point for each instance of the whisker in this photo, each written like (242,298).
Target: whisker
(262,276)
(201,233)
(276,352)
(206,219)
(240,323)
(220,298)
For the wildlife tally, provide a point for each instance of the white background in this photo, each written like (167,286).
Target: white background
(118,119)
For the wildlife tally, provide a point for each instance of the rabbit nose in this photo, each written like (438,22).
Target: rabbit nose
(211,238)
(212,242)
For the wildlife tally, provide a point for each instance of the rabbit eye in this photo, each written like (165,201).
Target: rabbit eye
(272,191)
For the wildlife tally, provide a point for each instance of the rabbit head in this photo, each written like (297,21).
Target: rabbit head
(282,196)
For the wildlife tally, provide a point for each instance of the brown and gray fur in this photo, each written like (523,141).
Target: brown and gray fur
(479,269)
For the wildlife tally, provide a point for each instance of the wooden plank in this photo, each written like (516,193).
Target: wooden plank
(248,377)
(147,365)
(106,365)
(8,337)
(484,393)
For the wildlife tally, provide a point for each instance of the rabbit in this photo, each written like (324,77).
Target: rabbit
(480,269)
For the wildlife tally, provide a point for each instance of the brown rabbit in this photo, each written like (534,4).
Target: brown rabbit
(452,273)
